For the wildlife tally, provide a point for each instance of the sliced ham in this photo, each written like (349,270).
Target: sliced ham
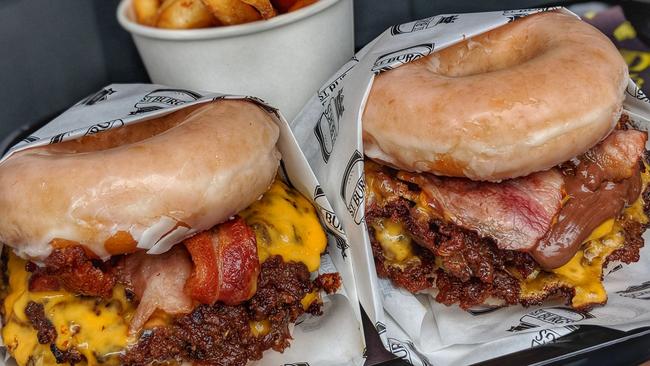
(158,282)
(515,213)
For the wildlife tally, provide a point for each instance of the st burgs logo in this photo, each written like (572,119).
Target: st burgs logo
(353,186)
(406,351)
(423,24)
(513,15)
(393,59)
(327,128)
(555,316)
(641,292)
(103,126)
(164,98)
(97,97)
(332,223)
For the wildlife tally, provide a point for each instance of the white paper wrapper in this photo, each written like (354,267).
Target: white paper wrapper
(416,327)
(339,328)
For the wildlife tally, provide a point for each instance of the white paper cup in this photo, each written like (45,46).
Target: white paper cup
(283,60)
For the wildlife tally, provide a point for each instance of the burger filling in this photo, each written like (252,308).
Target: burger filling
(222,297)
(518,241)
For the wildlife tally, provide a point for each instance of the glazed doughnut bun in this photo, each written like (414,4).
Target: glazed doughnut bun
(175,175)
(519,99)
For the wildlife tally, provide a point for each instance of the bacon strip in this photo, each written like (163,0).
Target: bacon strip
(226,265)
(619,153)
(73,269)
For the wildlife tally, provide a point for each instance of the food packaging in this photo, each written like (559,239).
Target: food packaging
(281,60)
(415,327)
(339,328)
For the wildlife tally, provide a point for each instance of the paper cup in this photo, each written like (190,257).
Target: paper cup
(283,60)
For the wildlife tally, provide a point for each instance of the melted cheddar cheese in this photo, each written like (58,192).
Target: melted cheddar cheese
(396,244)
(286,224)
(96,328)
(584,271)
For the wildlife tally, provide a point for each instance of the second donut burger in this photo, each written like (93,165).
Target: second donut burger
(169,240)
(502,171)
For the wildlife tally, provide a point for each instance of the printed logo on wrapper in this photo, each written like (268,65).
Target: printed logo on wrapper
(30,139)
(513,15)
(97,97)
(483,309)
(353,187)
(103,126)
(636,92)
(406,351)
(394,59)
(332,223)
(327,128)
(546,336)
(618,267)
(328,89)
(423,24)
(640,292)
(555,316)
(164,98)
(296,364)
(381,328)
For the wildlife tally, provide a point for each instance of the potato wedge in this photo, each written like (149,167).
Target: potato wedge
(146,11)
(230,12)
(263,6)
(185,14)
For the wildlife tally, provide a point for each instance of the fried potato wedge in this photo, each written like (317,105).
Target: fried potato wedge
(146,11)
(185,14)
(230,12)
(263,6)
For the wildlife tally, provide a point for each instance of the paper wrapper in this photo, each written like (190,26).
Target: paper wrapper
(339,328)
(416,327)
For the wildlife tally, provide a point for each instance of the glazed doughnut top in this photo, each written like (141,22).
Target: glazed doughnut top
(147,185)
(516,100)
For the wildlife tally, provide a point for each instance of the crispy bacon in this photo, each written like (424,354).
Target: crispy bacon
(225,264)
(158,282)
(619,153)
(71,268)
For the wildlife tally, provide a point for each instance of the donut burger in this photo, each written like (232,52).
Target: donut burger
(166,241)
(502,170)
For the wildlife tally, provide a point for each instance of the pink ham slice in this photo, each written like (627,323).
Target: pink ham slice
(158,282)
(515,213)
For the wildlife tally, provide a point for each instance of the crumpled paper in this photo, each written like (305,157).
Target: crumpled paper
(415,327)
(339,327)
